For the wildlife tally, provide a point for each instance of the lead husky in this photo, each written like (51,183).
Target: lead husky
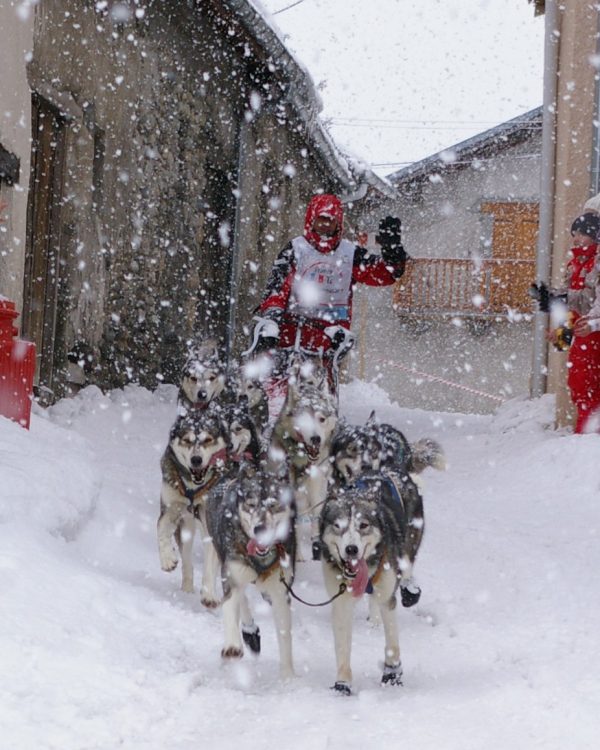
(192,464)
(252,530)
(203,379)
(363,541)
(302,437)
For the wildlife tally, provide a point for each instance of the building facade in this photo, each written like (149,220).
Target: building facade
(174,147)
(456,332)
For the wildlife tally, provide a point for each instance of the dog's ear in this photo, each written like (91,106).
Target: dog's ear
(372,420)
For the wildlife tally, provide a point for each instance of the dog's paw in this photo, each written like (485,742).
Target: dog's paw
(168,561)
(232,652)
(251,638)
(209,602)
(410,595)
(392,675)
(342,688)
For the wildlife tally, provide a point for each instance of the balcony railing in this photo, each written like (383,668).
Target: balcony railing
(453,286)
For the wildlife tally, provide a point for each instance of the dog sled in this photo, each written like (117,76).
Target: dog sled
(279,365)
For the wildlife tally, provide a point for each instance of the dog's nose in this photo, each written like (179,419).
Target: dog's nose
(315,440)
(201,396)
(196,461)
(351,550)
(259,529)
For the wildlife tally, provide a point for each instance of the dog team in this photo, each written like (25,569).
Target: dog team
(266,496)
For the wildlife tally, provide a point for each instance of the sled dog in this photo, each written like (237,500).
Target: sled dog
(363,542)
(302,437)
(374,446)
(203,378)
(252,530)
(251,386)
(192,464)
(243,446)
(307,372)
(358,450)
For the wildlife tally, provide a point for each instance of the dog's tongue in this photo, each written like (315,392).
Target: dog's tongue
(254,548)
(360,581)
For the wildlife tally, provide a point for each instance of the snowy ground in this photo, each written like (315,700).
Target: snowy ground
(100,650)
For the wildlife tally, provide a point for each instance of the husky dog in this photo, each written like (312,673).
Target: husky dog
(357,450)
(203,379)
(307,372)
(252,530)
(243,446)
(252,388)
(363,540)
(302,438)
(192,464)
(243,436)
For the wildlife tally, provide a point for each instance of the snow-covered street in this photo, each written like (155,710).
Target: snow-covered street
(101,650)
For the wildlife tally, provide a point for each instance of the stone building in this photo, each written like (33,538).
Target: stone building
(174,148)
(460,319)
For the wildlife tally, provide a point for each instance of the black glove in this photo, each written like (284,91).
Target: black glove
(541,294)
(390,239)
(544,296)
(266,343)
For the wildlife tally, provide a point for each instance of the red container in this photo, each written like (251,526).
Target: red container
(17,368)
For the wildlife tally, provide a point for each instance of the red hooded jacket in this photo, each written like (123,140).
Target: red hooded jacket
(583,376)
(278,302)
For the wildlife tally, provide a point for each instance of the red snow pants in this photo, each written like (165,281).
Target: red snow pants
(583,377)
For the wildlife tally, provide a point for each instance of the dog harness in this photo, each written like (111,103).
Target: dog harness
(193,493)
(263,565)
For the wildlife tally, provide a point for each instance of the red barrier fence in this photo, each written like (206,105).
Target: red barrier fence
(17,368)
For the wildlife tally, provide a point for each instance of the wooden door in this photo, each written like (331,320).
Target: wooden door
(42,260)
(511,269)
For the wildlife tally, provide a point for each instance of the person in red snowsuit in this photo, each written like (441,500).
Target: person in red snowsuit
(583,376)
(308,300)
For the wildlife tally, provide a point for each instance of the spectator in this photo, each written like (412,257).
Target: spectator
(583,376)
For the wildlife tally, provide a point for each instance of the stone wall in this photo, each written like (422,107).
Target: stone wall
(16,25)
(186,170)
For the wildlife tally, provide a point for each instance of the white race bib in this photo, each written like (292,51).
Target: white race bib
(321,286)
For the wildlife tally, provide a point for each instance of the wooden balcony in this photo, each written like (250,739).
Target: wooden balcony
(461,287)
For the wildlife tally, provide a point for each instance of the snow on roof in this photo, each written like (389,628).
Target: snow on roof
(493,140)
(304,97)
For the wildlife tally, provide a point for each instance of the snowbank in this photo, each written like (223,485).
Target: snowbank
(100,649)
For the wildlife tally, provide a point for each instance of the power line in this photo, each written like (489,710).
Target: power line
(379,126)
(287,7)
(451,163)
(425,121)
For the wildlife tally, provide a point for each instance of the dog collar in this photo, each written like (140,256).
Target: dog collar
(238,457)
(192,493)
(265,564)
